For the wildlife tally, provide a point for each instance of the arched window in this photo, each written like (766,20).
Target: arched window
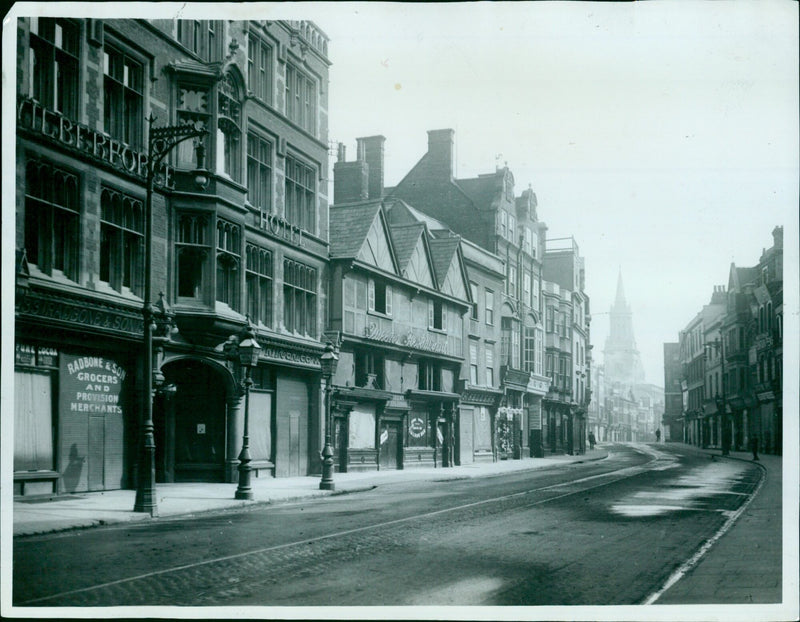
(51,218)
(121,241)
(229,134)
(228,261)
(191,251)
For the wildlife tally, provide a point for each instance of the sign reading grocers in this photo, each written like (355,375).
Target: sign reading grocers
(92,384)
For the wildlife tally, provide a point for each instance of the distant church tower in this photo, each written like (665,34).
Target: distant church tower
(620,356)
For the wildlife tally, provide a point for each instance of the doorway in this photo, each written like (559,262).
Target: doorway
(389,445)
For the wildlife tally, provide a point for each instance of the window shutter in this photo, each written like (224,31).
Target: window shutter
(388,300)
(371,295)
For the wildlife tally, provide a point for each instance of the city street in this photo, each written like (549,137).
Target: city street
(591,533)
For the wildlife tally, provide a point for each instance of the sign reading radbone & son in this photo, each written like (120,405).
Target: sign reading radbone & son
(33,117)
(92,384)
(405,339)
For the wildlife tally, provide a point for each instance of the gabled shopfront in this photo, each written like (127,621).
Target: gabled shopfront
(398,297)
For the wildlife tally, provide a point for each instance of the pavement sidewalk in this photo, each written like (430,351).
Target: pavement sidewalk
(80,510)
(744,565)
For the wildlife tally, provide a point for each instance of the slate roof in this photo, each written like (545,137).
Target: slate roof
(483,189)
(404,240)
(442,251)
(350,224)
(433,223)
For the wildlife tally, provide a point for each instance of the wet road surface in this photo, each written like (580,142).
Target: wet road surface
(595,533)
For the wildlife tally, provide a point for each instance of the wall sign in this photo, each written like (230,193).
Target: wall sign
(79,137)
(29,355)
(416,427)
(408,339)
(91,384)
(282,228)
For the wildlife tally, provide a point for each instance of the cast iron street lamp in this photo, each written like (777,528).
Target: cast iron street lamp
(719,346)
(328,362)
(249,351)
(161,142)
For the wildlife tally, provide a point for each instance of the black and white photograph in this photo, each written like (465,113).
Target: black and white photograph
(400,310)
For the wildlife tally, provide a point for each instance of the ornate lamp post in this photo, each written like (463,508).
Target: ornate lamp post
(328,362)
(161,142)
(249,351)
(719,346)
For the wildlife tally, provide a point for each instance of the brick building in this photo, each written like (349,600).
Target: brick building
(485,211)
(240,227)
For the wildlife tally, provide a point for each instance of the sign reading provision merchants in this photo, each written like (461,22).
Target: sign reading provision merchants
(91,384)
(91,423)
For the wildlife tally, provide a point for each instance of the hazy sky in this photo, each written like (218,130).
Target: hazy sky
(663,136)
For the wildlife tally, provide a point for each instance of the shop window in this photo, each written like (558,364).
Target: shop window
(192,251)
(228,262)
(259,285)
(299,298)
(435,314)
(53,64)
(259,67)
(121,241)
(193,110)
(52,218)
(418,430)
(379,296)
(201,36)
(229,134)
(33,421)
(259,173)
(124,86)
(489,306)
(430,376)
(301,99)
(369,364)
(301,195)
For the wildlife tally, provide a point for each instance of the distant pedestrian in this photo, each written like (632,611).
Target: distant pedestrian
(658,435)
(754,446)
(592,440)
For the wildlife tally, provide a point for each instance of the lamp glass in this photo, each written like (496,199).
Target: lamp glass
(328,361)
(249,351)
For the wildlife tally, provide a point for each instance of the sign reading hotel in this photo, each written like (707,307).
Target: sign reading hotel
(91,384)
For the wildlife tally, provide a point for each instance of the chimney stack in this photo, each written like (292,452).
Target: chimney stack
(370,150)
(440,152)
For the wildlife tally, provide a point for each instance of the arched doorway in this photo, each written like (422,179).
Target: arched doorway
(191,423)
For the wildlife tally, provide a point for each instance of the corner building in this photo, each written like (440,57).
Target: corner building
(240,228)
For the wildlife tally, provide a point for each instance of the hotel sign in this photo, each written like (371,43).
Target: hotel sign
(281,228)
(86,141)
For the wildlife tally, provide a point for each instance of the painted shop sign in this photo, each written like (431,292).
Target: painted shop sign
(404,339)
(416,427)
(76,313)
(282,228)
(91,384)
(538,386)
(292,356)
(81,138)
(25,354)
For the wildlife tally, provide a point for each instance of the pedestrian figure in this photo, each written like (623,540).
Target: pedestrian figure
(592,440)
(658,435)
(754,446)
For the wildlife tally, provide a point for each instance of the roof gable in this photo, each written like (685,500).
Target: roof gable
(453,284)
(418,268)
(349,226)
(376,248)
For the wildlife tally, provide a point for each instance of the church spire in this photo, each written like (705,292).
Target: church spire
(620,303)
